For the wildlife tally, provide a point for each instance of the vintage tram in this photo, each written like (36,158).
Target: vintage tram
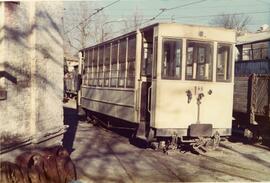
(167,80)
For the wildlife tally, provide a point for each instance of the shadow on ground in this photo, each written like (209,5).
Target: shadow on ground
(70,118)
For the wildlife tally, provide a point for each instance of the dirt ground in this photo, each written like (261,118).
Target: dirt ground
(101,155)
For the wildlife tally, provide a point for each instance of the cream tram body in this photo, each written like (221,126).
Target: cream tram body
(153,78)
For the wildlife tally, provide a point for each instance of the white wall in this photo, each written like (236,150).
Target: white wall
(31,45)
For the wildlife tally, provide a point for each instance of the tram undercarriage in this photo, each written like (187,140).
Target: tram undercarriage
(198,145)
(198,138)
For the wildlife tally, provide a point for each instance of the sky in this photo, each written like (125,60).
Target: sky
(194,11)
(197,13)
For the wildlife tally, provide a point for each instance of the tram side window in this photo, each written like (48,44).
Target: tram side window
(155,58)
(199,61)
(85,67)
(95,67)
(131,62)
(122,62)
(89,68)
(114,64)
(107,64)
(171,56)
(223,62)
(88,76)
(100,67)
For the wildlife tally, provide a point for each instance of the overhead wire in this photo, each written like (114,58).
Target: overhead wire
(199,16)
(217,15)
(162,10)
(212,15)
(91,15)
(184,5)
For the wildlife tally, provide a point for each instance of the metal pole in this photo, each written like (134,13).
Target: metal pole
(198,114)
(199,98)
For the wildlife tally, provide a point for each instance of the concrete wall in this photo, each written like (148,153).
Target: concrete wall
(31,67)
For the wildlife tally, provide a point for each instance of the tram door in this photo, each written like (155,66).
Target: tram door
(146,82)
(145,85)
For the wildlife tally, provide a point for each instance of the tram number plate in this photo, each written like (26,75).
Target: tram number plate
(200,130)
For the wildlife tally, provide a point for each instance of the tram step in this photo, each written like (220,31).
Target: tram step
(141,131)
(142,138)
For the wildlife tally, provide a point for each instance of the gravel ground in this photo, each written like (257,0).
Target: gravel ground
(101,155)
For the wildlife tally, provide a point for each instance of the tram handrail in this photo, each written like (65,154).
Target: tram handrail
(148,99)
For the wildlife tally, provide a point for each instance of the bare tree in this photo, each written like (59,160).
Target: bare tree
(81,28)
(134,21)
(232,21)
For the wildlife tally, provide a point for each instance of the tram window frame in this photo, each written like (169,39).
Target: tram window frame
(90,67)
(100,66)
(89,76)
(147,58)
(163,69)
(208,59)
(95,67)
(94,77)
(114,63)
(155,53)
(122,62)
(107,56)
(84,71)
(227,77)
(85,57)
(131,61)
(95,57)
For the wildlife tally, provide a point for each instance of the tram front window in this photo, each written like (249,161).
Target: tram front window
(224,62)
(199,61)
(171,59)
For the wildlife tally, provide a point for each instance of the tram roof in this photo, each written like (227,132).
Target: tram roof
(151,26)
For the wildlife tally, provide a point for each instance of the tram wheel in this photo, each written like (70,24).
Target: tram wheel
(139,142)
(213,142)
(151,136)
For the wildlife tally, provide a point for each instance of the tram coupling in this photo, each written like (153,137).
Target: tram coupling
(199,145)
